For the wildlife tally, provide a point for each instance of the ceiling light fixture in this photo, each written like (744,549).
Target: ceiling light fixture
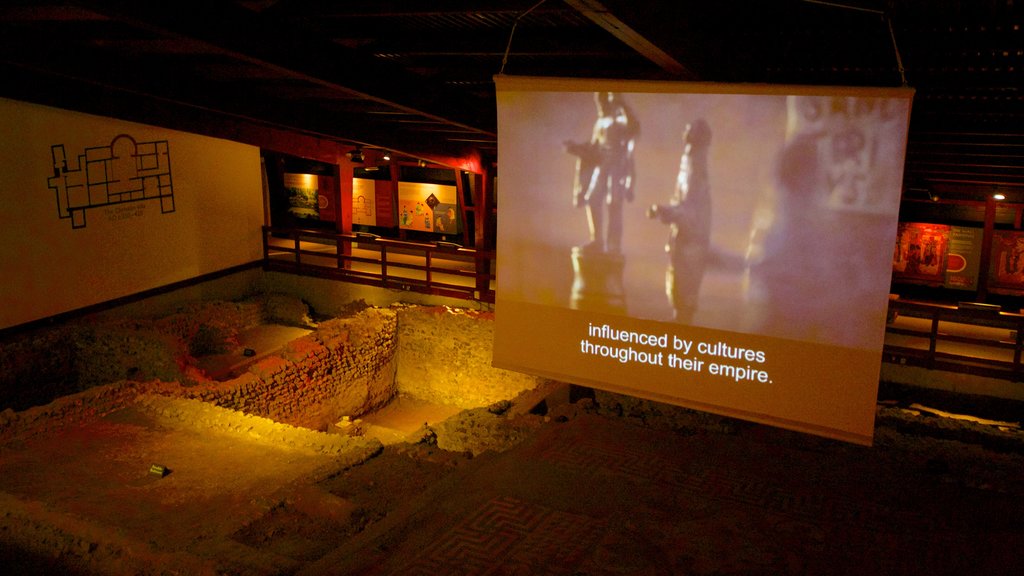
(387,156)
(356,155)
(999,196)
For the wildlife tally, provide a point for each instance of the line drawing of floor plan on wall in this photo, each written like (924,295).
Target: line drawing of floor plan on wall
(125,171)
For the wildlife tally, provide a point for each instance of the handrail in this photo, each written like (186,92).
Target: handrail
(443,270)
(964,338)
(935,336)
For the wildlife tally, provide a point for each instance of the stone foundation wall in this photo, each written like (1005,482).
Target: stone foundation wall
(345,368)
(45,364)
(445,357)
(352,366)
(76,409)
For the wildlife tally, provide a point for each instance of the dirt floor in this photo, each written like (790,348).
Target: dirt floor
(600,485)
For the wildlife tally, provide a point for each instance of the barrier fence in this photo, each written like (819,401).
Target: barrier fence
(968,337)
(440,268)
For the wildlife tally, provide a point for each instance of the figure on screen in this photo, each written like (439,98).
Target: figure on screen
(688,214)
(605,171)
(827,251)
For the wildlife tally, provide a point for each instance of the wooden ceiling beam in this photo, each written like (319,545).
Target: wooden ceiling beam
(601,16)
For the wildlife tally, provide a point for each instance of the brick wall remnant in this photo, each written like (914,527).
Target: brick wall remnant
(348,366)
(344,368)
(45,364)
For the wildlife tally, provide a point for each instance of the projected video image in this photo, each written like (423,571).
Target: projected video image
(753,218)
(765,213)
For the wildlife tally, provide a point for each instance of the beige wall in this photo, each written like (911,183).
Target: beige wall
(445,357)
(49,267)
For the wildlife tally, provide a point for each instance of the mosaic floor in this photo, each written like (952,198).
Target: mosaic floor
(590,495)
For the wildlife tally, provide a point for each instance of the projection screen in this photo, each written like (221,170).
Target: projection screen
(726,248)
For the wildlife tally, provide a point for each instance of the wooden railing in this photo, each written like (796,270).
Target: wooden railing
(432,268)
(967,338)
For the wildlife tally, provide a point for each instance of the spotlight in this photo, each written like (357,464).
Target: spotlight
(356,155)
(387,156)
(999,196)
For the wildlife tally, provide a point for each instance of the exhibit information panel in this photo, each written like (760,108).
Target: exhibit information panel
(726,248)
(427,207)
(364,201)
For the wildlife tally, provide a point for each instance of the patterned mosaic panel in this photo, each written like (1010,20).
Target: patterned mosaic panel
(510,534)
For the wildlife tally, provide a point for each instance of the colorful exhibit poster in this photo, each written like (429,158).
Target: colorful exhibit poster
(1006,270)
(920,253)
(303,196)
(428,207)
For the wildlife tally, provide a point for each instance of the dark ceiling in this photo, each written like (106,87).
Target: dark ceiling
(417,76)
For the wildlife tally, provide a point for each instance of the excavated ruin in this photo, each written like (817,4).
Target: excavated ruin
(253,438)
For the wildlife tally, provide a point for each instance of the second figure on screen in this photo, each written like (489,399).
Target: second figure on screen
(688,214)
